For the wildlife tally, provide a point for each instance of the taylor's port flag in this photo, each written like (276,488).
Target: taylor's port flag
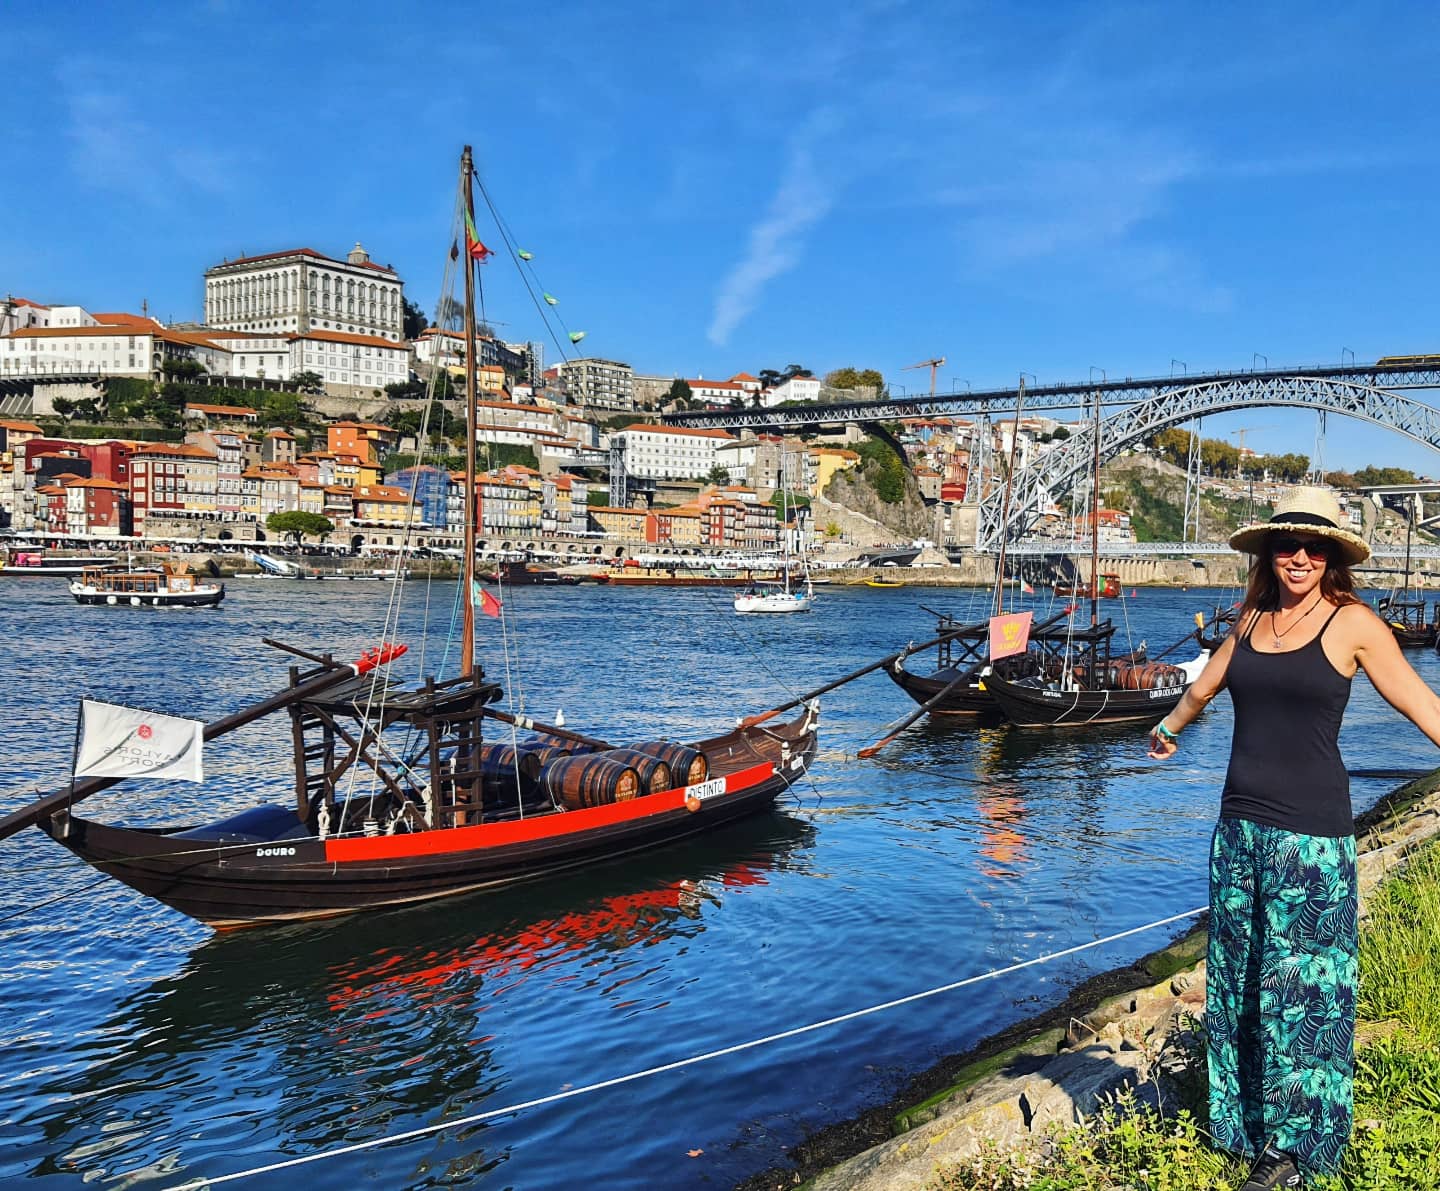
(1009,634)
(118,741)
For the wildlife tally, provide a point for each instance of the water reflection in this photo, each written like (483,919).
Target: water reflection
(323,1034)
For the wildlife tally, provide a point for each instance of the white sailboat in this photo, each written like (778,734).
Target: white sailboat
(789,593)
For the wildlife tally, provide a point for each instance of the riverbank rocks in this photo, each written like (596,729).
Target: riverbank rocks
(1143,1039)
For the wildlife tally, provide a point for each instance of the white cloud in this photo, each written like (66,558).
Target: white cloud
(775,243)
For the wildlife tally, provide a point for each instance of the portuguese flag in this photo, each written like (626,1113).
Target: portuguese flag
(475,250)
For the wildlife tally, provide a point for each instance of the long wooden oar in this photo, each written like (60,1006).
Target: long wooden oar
(910,719)
(751,721)
(383,655)
(949,634)
(1199,627)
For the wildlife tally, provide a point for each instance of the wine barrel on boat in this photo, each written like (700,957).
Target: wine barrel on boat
(570,748)
(580,782)
(688,765)
(655,774)
(542,754)
(1148,676)
(504,760)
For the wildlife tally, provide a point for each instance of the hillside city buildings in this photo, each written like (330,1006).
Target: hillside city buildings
(273,321)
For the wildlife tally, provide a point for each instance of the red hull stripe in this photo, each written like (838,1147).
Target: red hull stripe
(519,831)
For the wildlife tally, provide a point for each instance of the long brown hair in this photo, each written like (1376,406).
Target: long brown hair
(1262,593)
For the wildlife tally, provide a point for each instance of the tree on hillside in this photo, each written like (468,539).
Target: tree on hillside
(854,378)
(679,393)
(719,475)
(1369,477)
(309,382)
(413,319)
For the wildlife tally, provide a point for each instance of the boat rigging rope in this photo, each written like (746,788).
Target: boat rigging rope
(679,1064)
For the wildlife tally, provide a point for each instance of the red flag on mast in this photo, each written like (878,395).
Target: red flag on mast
(475,250)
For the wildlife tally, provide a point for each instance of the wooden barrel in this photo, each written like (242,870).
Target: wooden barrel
(542,754)
(503,760)
(570,747)
(655,775)
(688,765)
(1149,676)
(579,782)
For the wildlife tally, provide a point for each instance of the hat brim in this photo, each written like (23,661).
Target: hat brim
(1250,539)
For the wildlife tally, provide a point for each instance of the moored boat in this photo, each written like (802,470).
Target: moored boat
(398,792)
(38,564)
(171,586)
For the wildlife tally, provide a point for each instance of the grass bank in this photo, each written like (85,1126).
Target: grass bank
(1396,1142)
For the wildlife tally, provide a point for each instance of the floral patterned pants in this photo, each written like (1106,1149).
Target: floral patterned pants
(1280,991)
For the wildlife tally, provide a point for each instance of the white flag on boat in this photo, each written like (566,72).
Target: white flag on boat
(118,741)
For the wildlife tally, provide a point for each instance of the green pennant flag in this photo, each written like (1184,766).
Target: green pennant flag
(549,300)
(576,336)
(525,256)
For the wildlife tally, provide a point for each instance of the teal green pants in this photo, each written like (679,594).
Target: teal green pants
(1280,992)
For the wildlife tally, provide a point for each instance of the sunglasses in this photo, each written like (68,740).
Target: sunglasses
(1287,544)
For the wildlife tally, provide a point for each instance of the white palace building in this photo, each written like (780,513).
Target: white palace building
(299,292)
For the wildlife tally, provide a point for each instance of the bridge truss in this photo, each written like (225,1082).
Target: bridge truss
(1054,475)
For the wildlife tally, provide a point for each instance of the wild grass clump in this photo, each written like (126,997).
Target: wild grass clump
(1396,1141)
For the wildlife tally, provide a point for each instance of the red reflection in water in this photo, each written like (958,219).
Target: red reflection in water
(1001,839)
(645,918)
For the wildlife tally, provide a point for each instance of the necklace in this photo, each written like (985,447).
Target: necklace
(1277,634)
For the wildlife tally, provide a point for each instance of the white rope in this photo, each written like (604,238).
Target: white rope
(556,1097)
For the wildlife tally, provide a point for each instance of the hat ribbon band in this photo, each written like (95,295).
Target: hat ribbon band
(1303,519)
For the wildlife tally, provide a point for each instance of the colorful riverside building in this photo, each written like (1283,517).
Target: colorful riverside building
(431,486)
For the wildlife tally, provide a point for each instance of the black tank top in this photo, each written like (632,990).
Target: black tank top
(1285,767)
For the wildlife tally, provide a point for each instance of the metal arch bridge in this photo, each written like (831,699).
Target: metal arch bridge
(1054,473)
(1397,372)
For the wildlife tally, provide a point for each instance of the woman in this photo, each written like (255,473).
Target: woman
(1281,966)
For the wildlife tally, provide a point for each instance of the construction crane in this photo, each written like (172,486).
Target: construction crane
(930,364)
(1244,430)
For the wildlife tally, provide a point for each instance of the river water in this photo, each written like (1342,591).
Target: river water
(137,1046)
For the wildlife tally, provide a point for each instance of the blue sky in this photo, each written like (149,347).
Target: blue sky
(724,187)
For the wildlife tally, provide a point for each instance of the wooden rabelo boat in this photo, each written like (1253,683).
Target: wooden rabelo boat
(1078,681)
(1405,609)
(1105,587)
(1076,678)
(397,796)
(956,686)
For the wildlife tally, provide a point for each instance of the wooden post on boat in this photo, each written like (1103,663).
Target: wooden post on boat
(1005,502)
(472,506)
(468,753)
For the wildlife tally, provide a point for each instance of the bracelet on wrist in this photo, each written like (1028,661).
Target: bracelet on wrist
(1163,731)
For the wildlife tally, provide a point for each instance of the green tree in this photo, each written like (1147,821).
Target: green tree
(307,525)
(413,319)
(1060,434)
(679,393)
(181,369)
(719,474)
(309,382)
(854,378)
(64,407)
(1369,477)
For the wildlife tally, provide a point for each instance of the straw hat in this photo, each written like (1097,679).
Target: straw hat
(1304,509)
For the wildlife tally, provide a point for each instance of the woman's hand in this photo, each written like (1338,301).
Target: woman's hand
(1161,749)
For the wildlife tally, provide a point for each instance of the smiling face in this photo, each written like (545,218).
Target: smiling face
(1299,561)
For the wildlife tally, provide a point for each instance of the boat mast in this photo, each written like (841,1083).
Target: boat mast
(467,639)
(1005,502)
(1095,519)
